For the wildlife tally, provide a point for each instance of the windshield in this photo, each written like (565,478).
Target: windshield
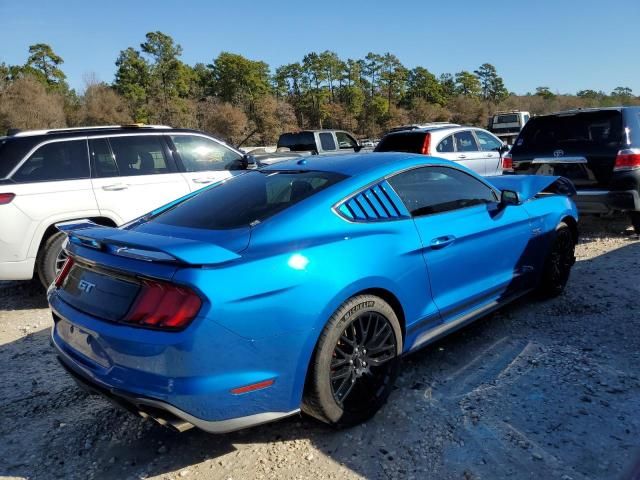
(246,199)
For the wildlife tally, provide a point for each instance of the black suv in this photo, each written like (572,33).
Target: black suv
(598,149)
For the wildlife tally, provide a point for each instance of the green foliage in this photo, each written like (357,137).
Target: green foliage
(243,100)
(467,84)
(491,84)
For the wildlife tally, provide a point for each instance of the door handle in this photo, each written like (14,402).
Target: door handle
(442,242)
(202,180)
(115,187)
(462,156)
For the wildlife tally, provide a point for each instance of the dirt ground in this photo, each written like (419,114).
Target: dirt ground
(538,390)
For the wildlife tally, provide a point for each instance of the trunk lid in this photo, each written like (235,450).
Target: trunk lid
(581,146)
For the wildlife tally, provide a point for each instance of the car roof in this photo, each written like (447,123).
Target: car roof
(375,163)
(97,131)
(590,109)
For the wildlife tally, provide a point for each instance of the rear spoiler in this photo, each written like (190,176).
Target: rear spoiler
(528,186)
(144,246)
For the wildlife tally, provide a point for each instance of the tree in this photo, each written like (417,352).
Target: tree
(223,120)
(448,85)
(372,68)
(238,80)
(392,78)
(491,84)
(622,92)
(167,74)
(101,105)
(26,104)
(467,84)
(422,84)
(132,81)
(545,93)
(43,63)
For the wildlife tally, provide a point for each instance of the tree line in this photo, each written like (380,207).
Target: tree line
(245,102)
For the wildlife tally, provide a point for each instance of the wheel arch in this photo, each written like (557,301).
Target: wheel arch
(51,230)
(573,226)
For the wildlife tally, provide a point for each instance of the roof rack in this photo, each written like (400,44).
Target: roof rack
(28,133)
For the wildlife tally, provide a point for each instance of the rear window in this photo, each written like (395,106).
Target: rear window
(11,152)
(409,142)
(506,119)
(65,160)
(580,131)
(247,199)
(299,142)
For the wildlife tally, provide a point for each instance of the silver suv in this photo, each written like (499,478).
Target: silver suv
(472,147)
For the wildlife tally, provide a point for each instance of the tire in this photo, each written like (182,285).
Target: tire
(558,263)
(364,331)
(635,221)
(50,259)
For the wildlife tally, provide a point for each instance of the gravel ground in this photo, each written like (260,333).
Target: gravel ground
(538,390)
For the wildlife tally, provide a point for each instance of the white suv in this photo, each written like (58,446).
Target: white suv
(108,174)
(472,147)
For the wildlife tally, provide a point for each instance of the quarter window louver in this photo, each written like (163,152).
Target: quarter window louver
(376,203)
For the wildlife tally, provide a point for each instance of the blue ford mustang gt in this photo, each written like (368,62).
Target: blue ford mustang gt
(300,286)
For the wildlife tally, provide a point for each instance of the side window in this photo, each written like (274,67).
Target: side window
(345,141)
(139,155)
(55,161)
(200,153)
(431,190)
(104,165)
(327,142)
(446,145)
(488,143)
(465,142)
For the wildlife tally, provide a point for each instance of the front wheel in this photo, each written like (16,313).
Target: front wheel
(355,364)
(558,263)
(51,258)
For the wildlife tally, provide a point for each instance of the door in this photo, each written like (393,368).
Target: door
(475,250)
(461,147)
(203,161)
(490,146)
(133,175)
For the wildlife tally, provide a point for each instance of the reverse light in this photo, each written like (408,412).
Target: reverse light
(163,305)
(507,163)
(426,145)
(64,271)
(628,159)
(6,198)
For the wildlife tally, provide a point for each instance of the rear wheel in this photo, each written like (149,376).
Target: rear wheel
(558,263)
(50,259)
(355,364)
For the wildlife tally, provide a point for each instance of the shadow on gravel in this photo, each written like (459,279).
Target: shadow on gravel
(537,390)
(22,295)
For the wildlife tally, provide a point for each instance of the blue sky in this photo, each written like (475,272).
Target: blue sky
(567,45)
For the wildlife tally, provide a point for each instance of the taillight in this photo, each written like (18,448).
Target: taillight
(507,163)
(64,271)
(628,159)
(6,198)
(426,145)
(163,305)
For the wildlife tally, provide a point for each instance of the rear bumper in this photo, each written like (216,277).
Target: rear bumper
(607,201)
(180,379)
(164,413)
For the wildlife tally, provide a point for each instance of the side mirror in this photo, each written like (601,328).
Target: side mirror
(357,148)
(509,197)
(246,162)
(504,149)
